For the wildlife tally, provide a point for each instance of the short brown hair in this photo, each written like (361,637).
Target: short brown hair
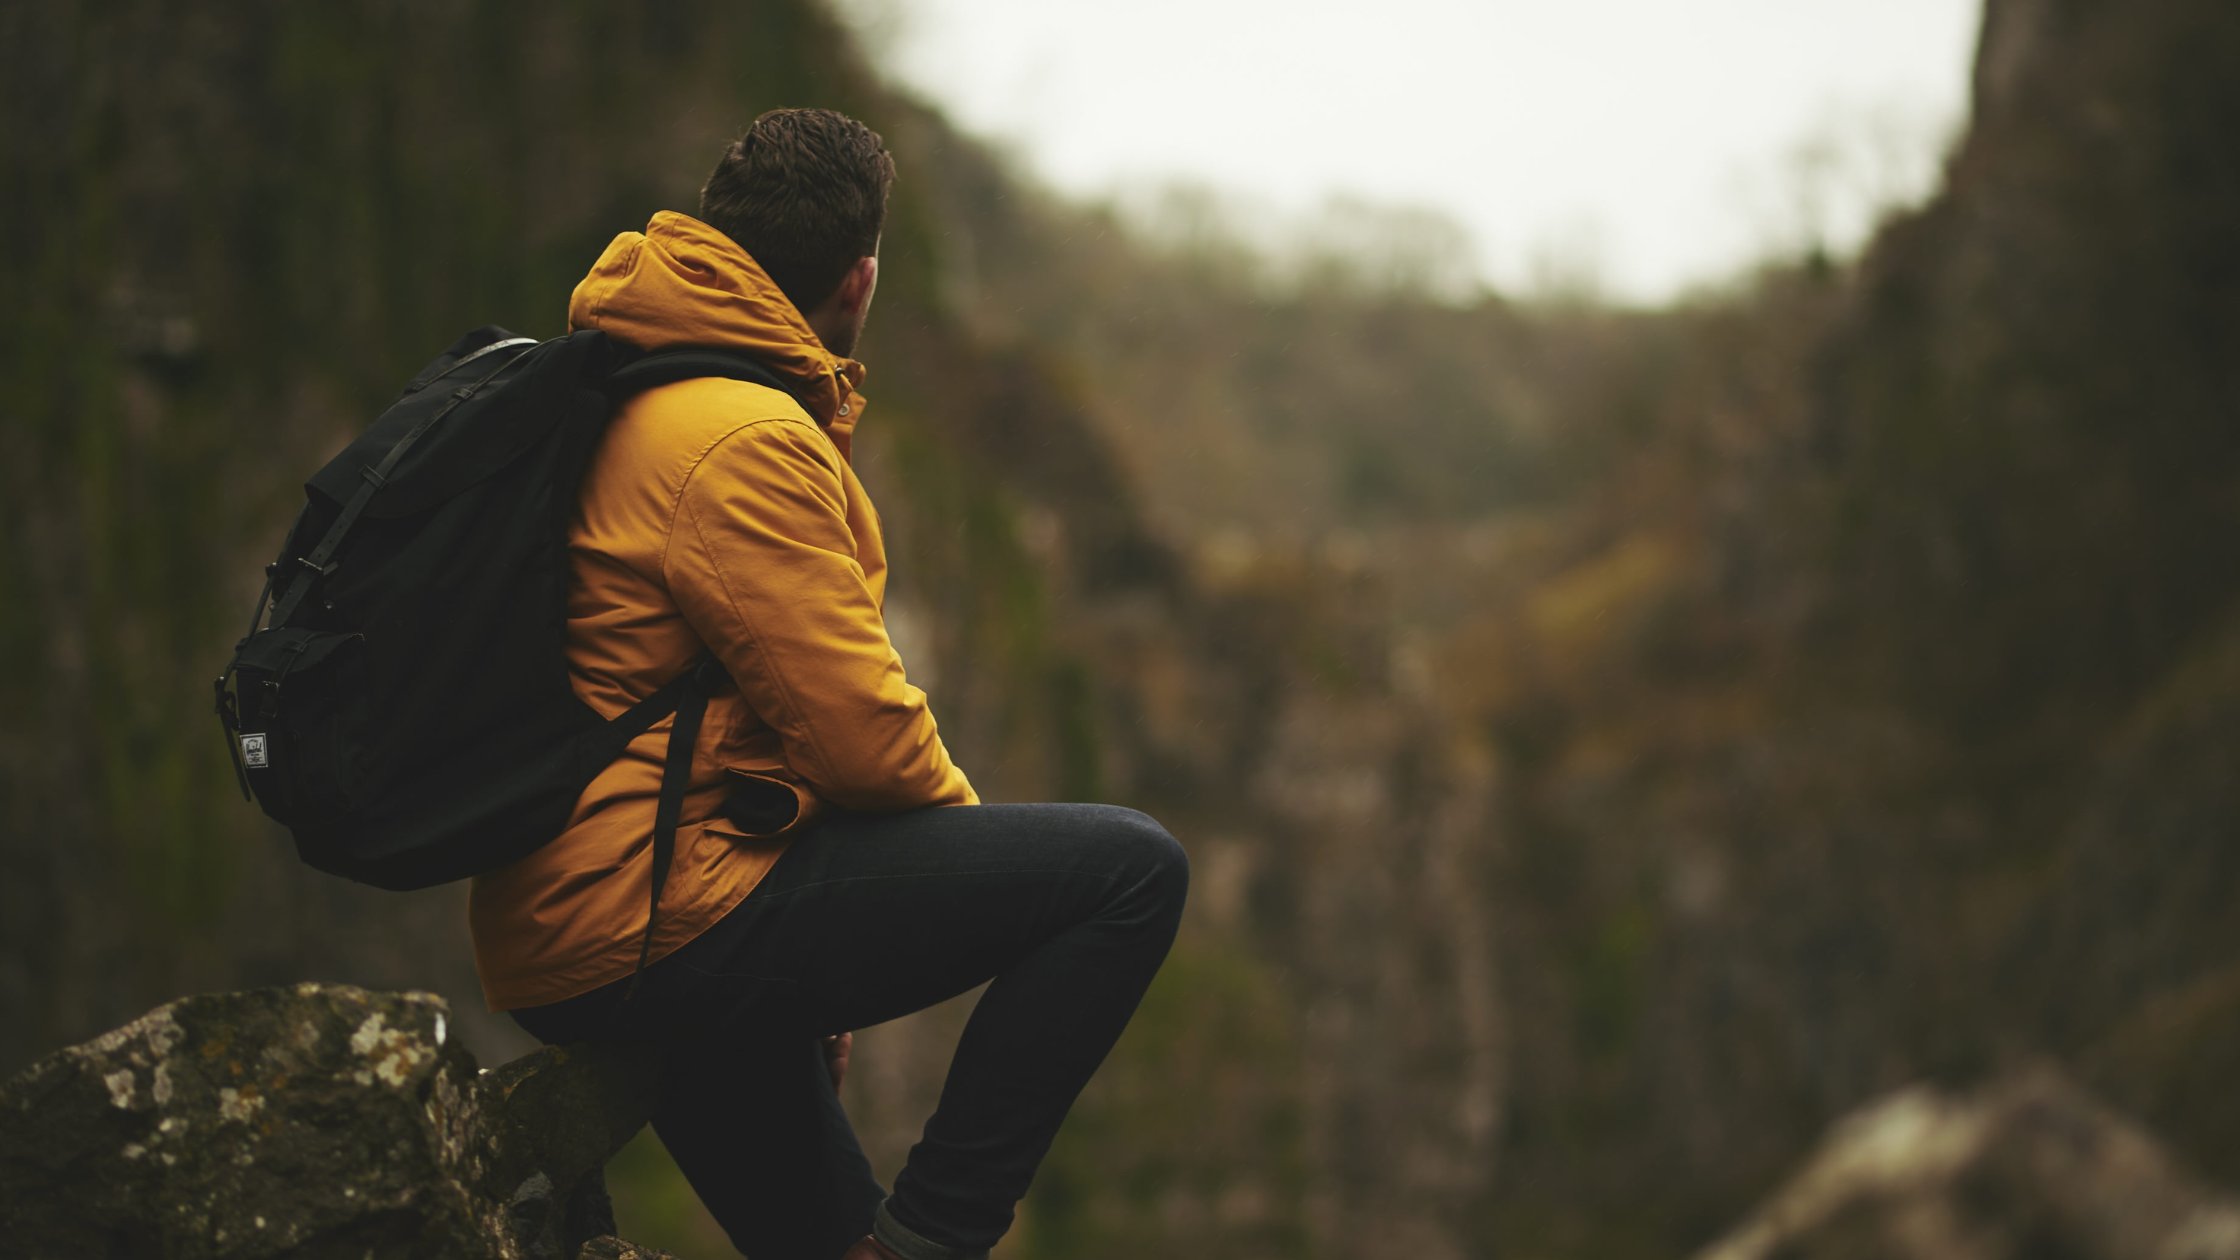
(805,192)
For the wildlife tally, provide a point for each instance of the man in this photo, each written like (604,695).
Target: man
(835,869)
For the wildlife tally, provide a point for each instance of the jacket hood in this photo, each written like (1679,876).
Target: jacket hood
(683,283)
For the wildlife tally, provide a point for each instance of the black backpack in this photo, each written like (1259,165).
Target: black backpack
(406,710)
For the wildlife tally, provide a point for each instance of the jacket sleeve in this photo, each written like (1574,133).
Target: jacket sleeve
(762,564)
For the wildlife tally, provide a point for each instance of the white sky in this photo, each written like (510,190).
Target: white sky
(1637,146)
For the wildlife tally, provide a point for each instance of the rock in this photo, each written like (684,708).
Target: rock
(550,1121)
(2029,1167)
(313,1121)
(611,1248)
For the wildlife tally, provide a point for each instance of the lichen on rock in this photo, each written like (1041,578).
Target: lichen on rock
(306,1121)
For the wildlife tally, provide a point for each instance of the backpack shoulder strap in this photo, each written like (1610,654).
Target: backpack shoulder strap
(687,694)
(685,363)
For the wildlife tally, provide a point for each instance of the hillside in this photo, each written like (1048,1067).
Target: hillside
(1611,744)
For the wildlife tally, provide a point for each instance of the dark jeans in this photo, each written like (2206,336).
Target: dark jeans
(868,917)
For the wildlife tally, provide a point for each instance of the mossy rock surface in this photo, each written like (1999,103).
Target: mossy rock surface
(309,1121)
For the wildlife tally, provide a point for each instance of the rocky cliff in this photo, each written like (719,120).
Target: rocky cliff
(1613,745)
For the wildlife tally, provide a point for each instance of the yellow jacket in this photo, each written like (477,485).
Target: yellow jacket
(715,513)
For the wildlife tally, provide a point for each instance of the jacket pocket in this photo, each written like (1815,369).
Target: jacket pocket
(767,806)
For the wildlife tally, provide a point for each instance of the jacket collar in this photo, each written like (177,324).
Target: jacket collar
(683,283)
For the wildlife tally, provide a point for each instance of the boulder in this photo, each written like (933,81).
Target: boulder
(2028,1167)
(314,1121)
(611,1248)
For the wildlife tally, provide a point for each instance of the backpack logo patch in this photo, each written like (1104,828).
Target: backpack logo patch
(253,752)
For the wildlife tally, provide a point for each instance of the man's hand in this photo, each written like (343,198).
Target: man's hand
(836,1050)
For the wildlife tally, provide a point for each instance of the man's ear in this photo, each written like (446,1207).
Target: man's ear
(839,318)
(856,287)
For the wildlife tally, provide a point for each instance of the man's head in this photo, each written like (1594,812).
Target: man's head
(805,192)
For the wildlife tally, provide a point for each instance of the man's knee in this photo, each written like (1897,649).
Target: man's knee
(1152,858)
